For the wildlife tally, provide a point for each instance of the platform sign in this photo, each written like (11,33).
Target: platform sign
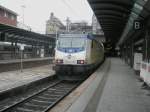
(138,24)
(42,53)
(137,60)
(22,47)
(38,52)
(143,71)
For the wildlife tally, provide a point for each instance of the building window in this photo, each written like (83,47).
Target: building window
(12,17)
(5,14)
(1,12)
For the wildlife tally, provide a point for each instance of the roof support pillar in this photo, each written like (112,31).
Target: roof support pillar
(147,41)
(16,50)
(126,53)
(12,50)
(131,53)
(146,45)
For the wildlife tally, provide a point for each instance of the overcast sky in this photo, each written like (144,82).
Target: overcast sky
(36,12)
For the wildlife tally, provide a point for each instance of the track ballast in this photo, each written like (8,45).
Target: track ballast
(43,100)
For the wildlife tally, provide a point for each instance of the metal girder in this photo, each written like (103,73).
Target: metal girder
(110,6)
(111,12)
(139,42)
(112,16)
(25,39)
(113,25)
(20,36)
(110,9)
(111,21)
(24,35)
(113,28)
(138,8)
(10,28)
(125,3)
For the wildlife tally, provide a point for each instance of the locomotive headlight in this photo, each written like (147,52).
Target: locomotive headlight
(59,61)
(80,61)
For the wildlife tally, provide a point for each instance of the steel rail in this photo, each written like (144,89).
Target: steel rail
(45,99)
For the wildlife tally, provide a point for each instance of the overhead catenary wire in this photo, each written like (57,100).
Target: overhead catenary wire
(68,2)
(70,8)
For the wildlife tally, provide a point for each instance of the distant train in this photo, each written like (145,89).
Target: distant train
(7,51)
(6,46)
(77,55)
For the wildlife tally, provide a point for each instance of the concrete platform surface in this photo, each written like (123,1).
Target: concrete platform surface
(25,60)
(119,90)
(123,92)
(77,100)
(12,79)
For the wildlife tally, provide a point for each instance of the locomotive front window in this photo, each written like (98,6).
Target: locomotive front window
(64,42)
(71,42)
(78,42)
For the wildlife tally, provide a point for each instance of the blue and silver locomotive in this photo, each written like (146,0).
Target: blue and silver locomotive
(76,55)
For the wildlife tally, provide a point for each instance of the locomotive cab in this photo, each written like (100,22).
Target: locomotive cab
(74,57)
(70,50)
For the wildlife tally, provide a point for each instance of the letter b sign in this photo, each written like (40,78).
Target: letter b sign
(137,25)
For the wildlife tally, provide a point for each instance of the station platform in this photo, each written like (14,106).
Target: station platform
(122,91)
(114,87)
(14,79)
(9,65)
(25,60)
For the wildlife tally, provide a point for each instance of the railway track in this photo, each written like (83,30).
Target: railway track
(43,100)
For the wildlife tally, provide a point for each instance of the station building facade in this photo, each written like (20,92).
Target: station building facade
(8,16)
(96,28)
(54,25)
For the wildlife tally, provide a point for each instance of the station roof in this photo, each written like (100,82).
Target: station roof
(140,12)
(14,34)
(8,10)
(116,16)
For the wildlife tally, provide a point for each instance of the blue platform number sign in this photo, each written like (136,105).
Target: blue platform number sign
(137,25)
